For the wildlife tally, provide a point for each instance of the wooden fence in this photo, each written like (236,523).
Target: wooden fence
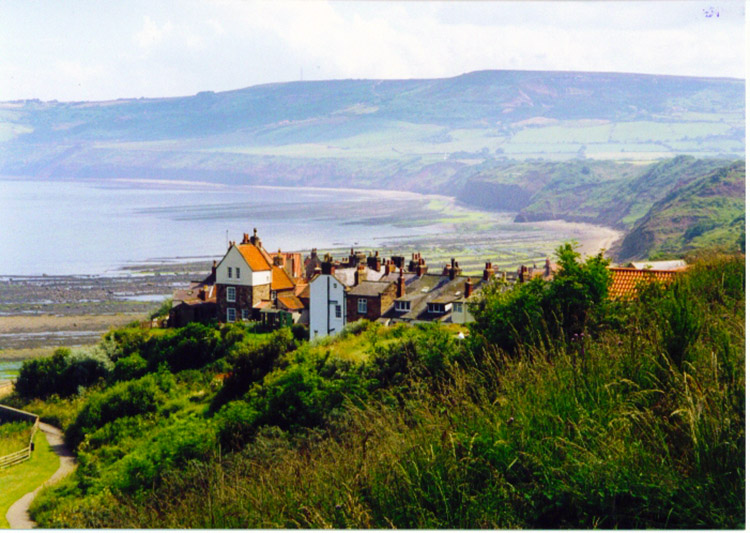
(25,454)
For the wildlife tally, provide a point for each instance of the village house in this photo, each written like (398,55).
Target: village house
(460,313)
(625,281)
(327,297)
(253,285)
(197,303)
(547,272)
(329,286)
(248,283)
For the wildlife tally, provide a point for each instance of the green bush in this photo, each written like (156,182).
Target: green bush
(172,448)
(63,374)
(193,346)
(537,312)
(128,368)
(251,361)
(128,398)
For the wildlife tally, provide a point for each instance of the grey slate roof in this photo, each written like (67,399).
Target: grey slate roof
(370,288)
(346,275)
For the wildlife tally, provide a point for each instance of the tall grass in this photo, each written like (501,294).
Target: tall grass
(626,429)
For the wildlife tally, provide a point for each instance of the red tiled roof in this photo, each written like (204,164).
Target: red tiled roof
(290,301)
(254,257)
(625,280)
(280,280)
(300,286)
(304,293)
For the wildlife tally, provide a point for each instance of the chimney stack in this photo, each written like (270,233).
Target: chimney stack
(278,259)
(468,288)
(255,240)
(452,270)
(421,267)
(401,287)
(373,262)
(489,272)
(359,274)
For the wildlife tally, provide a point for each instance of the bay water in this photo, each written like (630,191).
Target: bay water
(96,226)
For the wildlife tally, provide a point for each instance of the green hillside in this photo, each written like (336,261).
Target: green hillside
(710,211)
(375,132)
(519,423)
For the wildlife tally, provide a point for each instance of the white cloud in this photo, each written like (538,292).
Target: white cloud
(151,34)
(172,48)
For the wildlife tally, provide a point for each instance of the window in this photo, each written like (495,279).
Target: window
(237,272)
(231,314)
(435,308)
(459,307)
(338,311)
(273,295)
(402,305)
(362,306)
(244,314)
(231,294)
(229,272)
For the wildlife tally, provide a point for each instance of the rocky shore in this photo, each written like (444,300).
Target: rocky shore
(38,313)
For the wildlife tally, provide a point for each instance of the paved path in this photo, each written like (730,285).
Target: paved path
(18,514)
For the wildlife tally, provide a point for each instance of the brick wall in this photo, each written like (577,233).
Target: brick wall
(246,298)
(376,305)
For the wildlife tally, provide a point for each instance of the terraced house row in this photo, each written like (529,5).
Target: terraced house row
(280,289)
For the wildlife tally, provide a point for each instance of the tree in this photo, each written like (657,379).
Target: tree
(538,311)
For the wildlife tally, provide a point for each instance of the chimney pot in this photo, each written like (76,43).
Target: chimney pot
(468,288)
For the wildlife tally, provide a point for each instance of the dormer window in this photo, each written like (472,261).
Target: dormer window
(438,308)
(403,305)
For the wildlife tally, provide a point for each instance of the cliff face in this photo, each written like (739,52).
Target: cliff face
(495,196)
(709,211)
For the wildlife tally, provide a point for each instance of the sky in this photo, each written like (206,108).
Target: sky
(98,50)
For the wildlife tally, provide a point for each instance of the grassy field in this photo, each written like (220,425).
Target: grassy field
(24,478)
(14,437)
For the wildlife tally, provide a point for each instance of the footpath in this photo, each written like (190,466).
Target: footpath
(18,514)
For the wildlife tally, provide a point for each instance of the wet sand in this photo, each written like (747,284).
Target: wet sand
(40,313)
(591,239)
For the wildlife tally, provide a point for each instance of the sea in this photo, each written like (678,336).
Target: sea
(98,227)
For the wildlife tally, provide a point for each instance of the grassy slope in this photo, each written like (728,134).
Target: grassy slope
(633,438)
(24,478)
(710,211)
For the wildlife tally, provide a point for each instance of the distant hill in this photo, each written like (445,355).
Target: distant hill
(609,193)
(411,134)
(621,150)
(708,212)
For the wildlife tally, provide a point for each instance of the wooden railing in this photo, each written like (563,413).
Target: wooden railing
(25,454)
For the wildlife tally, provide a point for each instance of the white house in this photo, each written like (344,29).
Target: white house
(327,304)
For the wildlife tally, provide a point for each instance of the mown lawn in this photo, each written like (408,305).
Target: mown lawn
(24,478)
